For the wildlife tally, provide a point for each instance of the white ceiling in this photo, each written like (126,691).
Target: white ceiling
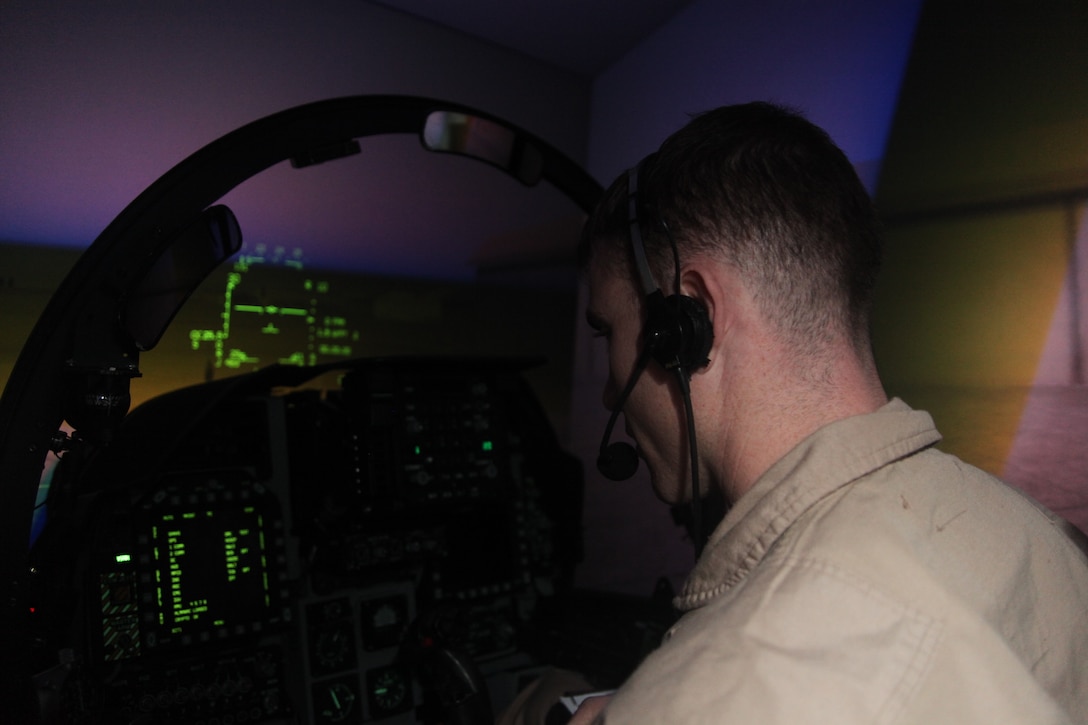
(583,36)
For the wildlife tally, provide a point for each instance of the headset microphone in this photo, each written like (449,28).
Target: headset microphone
(619,461)
(678,334)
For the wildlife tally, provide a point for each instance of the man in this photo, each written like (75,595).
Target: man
(861,575)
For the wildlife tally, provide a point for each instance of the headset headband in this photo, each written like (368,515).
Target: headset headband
(645,278)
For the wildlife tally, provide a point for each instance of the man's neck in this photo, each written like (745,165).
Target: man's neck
(770,407)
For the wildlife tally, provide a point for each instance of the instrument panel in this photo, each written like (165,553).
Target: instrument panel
(256,551)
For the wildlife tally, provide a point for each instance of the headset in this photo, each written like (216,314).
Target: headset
(677,331)
(677,334)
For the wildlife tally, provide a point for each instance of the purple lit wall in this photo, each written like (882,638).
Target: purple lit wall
(840,63)
(100,99)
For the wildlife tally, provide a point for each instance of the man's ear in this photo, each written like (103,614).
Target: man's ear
(693,335)
(711,287)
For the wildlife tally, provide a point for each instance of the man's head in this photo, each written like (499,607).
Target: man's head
(764,190)
(777,239)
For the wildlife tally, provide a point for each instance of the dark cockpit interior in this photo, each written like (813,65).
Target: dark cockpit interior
(372,540)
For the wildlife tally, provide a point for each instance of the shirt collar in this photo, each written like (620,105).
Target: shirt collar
(830,458)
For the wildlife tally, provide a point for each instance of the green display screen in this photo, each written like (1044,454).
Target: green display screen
(213,576)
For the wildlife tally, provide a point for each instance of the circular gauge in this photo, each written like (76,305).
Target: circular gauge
(333,648)
(335,702)
(389,690)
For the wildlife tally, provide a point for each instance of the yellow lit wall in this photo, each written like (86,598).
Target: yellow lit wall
(384,316)
(983,190)
(968,302)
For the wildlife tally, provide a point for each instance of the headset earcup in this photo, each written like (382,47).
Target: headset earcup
(677,331)
(698,333)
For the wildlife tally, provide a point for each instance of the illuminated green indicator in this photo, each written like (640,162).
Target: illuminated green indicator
(488,445)
(123,558)
(418,450)
(230,554)
(272,310)
(326,335)
(236,358)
